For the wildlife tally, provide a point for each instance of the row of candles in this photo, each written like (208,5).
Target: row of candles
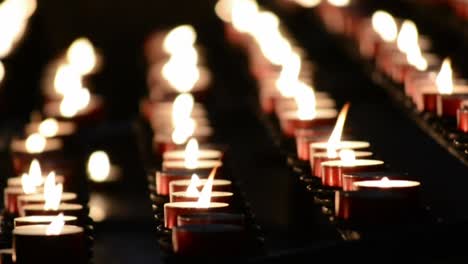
(44,204)
(199,213)
(402,54)
(365,190)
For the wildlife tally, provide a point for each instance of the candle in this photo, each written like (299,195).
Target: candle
(304,137)
(213,240)
(462,117)
(35,172)
(65,208)
(151,109)
(202,166)
(50,128)
(319,157)
(406,187)
(35,146)
(193,147)
(220,185)
(54,243)
(40,198)
(350,178)
(332,171)
(164,178)
(43,220)
(211,218)
(100,169)
(80,106)
(191,194)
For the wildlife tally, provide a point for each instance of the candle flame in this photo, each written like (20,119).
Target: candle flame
(335,137)
(74,101)
(407,37)
(339,3)
(444,79)
(35,173)
(182,107)
(183,130)
(192,154)
(2,71)
(192,189)
(82,56)
(385,25)
(205,195)
(243,14)
(386,183)
(56,226)
(181,70)
(179,38)
(28,186)
(35,143)
(305,101)
(347,156)
(98,166)
(308,3)
(48,127)
(290,71)
(223,10)
(52,193)
(67,79)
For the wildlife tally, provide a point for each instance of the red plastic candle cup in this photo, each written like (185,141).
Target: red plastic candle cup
(65,208)
(211,218)
(22,156)
(16,181)
(319,157)
(219,185)
(11,195)
(304,137)
(290,121)
(332,171)
(92,113)
(216,197)
(430,102)
(401,68)
(431,96)
(173,210)
(43,220)
(372,208)
(350,178)
(213,240)
(462,117)
(448,104)
(39,198)
(203,166)
(32,245)
(414,80)
(345,144)
(164,178)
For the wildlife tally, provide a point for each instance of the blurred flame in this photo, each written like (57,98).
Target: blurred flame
(385,25)
(191,154)
(335,137)
(35,143)
(243,14)
(339,3)
(48,127)
(181,71)
(182,107)
(305,101)
(35,173)
(444,79)
(192,190)
(223,9)
(52,193)
(183,130)
(82,56)
(98,166)
(27,184)
(56,226)
(308,3)
(2,71)
(67,78)
(290,71)
(179,38)
(348,157)
(407,37)
(205,195)
(74,101)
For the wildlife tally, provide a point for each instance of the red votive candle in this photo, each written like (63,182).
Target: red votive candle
(290,121)
(211,218)
(22,156)
(65,208)
(332,171)
(219,185)
(39,198)
(319,157)
(43,220)
(92,113)
(32,245)
(203,166)
(16,181)
(216,197)
(164,178)
(462,117)
(173,210)
(163,142)
(202,154)
(345,144)
(11,195)
(208,240)
(448,104)
(304,137)
(351,178)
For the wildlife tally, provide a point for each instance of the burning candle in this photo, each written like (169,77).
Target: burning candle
(332,171)
(462,117)
(43,220)
(304,137)
(319,157)
(35,146)
(219,185)
(350,178)
(100,169)
(78,105)
(35,172)
(191,194)
(30,184)
(50,128)
(203,205)
(211,218)
(54,243)
(393,185)
(193,147)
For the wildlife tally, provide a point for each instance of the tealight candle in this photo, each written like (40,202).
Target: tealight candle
(304,137)
(208,240)
(319,157)
(51,128)
(289,104)
(11,195)
(332,171)
(91,113)
(407,187)
(351,178)
(218,197)
(202,166)
(43,220)
(152,109)
(65,208)
(202,154)
(39,198)
(211,218)
(16,181)
(462,117)
(163,142)
(173,210)
(346,144)
(164,178)
(31,244)
(219,185)
(290,121)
